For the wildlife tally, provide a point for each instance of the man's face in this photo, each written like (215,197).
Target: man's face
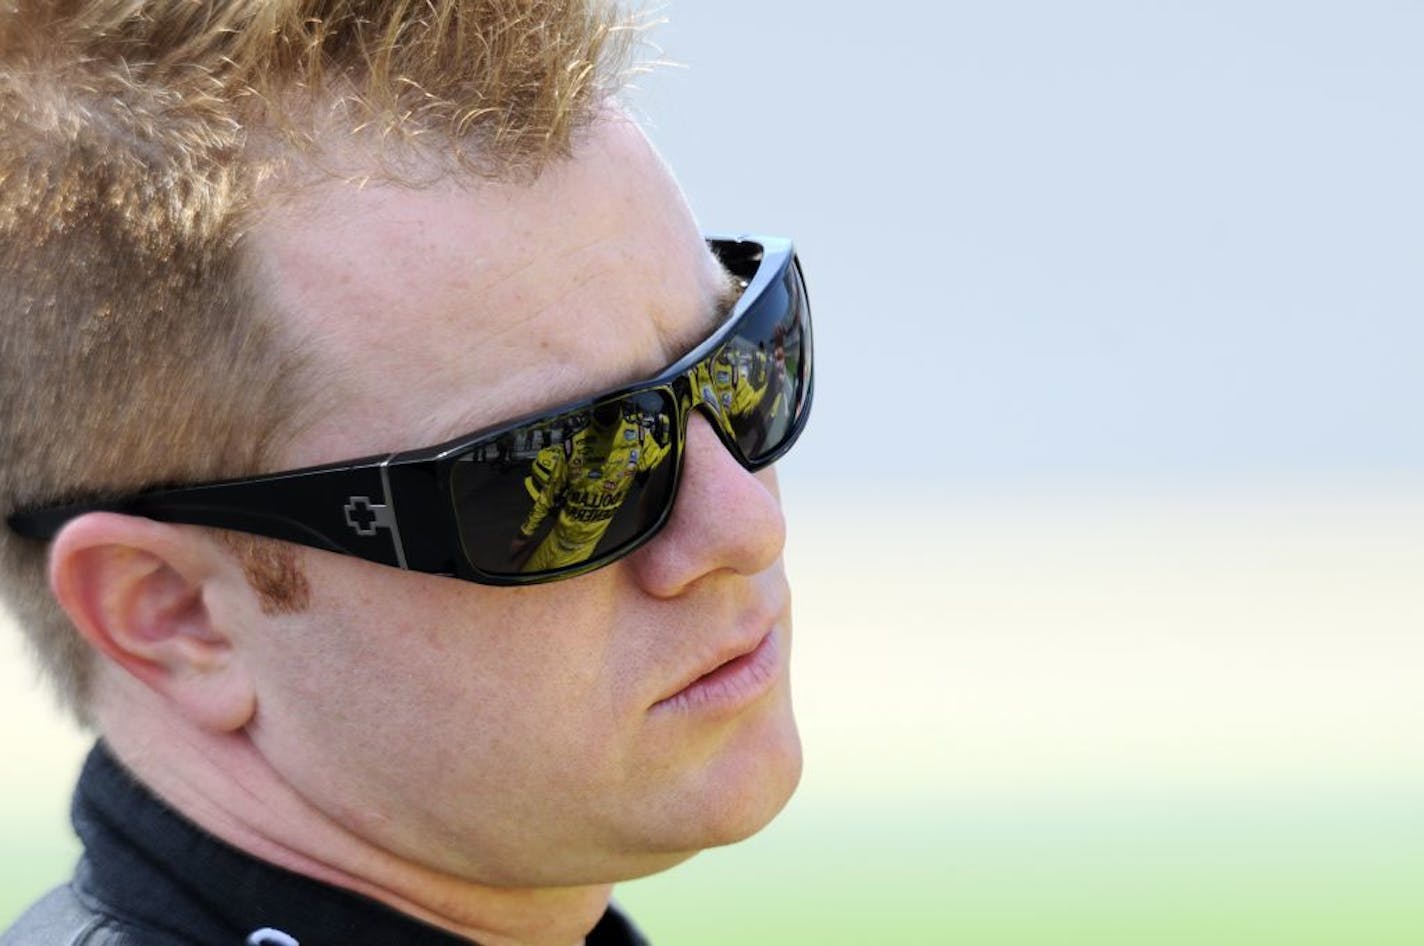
(548,734)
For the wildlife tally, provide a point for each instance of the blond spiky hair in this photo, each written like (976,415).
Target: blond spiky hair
(134,347)
(515,77)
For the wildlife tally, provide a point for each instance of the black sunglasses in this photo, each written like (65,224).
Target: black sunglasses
(546,496)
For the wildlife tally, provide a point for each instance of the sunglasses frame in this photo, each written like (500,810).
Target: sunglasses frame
(398,509)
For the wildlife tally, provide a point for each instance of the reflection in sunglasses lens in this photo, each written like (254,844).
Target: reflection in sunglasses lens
(583,486)
(557,494)
(762,396)
(580,487)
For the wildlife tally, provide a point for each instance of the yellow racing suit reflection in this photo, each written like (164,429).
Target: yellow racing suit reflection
(743,380)
(584,480)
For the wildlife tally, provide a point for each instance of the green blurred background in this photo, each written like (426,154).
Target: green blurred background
(1108,531)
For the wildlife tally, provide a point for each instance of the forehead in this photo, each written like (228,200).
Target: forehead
(424,313)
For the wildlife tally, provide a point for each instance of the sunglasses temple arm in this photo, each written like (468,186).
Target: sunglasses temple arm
(344,510)
(427,532)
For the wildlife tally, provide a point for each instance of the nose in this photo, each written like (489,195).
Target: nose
(725,518)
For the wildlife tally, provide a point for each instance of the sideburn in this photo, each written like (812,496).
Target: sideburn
(272,569)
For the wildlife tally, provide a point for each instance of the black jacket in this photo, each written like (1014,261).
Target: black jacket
(149,877)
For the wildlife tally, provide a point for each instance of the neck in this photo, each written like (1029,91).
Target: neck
(222,783)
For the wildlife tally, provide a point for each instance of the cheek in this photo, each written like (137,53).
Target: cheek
(425,682)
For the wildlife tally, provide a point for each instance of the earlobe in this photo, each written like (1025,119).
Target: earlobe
(135,589)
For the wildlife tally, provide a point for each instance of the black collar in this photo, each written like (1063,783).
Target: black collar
(151,868)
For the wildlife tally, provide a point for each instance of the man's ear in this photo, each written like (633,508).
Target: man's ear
(138,591)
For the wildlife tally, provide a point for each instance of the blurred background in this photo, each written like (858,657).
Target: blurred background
(1108,529)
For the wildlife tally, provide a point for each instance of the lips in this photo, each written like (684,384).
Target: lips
(732,678)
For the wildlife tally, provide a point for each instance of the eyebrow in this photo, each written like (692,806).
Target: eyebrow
(729,294)
(724,300)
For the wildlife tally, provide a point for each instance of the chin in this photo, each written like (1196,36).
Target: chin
(743,787)
(724,812)
(739,816)
(726,797)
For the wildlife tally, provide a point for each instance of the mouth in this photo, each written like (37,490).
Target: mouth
(732,682)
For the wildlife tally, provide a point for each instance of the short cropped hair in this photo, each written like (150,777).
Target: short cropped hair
(135,348)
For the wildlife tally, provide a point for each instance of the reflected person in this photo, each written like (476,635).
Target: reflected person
(584,480)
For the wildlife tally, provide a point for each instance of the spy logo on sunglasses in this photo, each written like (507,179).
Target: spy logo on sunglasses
(364,518)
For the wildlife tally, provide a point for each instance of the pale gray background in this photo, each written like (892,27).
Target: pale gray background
(1093,242)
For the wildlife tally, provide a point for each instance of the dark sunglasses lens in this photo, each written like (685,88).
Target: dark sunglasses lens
(759,378)
(581,487)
